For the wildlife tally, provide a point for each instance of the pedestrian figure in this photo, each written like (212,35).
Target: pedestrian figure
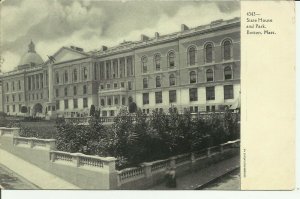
(172,174)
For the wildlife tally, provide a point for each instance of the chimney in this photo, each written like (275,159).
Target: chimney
(156,35)
(144,38)
(103,48)
(184,27)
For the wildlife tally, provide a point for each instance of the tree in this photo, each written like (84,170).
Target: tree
(92,110)
(24,109)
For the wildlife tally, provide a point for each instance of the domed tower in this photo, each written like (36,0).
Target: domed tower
(30,58)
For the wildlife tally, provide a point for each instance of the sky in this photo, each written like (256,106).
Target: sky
(89,24)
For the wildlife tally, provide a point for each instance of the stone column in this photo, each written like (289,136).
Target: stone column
(105,70)
(125,75)
(147,169)
(50,83)
(119,68)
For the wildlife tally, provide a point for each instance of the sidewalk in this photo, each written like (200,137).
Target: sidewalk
(32,173)
(203,176)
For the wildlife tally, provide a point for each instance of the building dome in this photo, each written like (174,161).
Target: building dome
(31,57)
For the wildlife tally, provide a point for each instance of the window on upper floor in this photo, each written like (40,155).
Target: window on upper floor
(171,60)
(75,103)
(193,77)
(145,83)
(57,78)
(145,98)
(208,53)
(193,92)
(56,92)
(158,97)
(227,73)
(192,55)
(123,100)
(7,86)
(209,75)
(85,102)
(129,85)
(57,104)
(84,89)
(66,76)
(75,75)
(102,102)
(157,82)
(172,80)
(157,59)
(227,48)
(210,93)
(144,64)
(74,90)
(130,70)
(85,73)
(66,91)
(109,101)
(116,100)
(228,92)
(66,103)
(19,84)
(115,85)
(13,86)
(102,72)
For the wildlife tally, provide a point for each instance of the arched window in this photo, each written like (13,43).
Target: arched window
(192,56)
(75,75)
(208,53)
(209,75)
(145,83)
(171,60)
(172,80)
(193,77)
(227,50)
(157,61)
(66,76)
(144,64)
(227,73)
(158,83)
(57,77)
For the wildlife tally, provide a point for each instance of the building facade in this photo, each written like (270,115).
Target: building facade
(196,69)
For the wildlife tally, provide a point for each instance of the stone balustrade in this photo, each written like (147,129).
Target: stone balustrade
(48,144)
(82,160)
(9,131)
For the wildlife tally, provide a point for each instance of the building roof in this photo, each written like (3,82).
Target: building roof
(31,57)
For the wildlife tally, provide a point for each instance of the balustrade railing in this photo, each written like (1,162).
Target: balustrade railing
(157,165)
(90,161)
(131,173)
(182,158)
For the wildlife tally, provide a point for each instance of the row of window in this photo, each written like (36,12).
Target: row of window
(35,96)
(115,85)
(75,103)
(35,81)
(13,86)
(117,68)
(65,78)
(14,97)
(193,95)
(192,109)
(191,55)
(14,108)
(110,100)
(66,93)
(193,77)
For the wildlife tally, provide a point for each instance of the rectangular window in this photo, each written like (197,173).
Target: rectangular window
(41,95)
(66,102)
(129,86)
(7,98)
(193,94)
(14,108)
(104,113)
(213,108)
(207,109)
(19,83)
(7,108)
(228,92)
(210,93)
(172,96)
(19,97)
(75,90)
(66,91)
(158,97)
(85,102)
(102,76)
(20,107)
(145,98)
(13,98)
(196,109)
(122,85)
(115,85)
(112,113)
(84,89)
(13,86)
(101,86)
(57,104)
(75,103)
(56,92)
(108,86)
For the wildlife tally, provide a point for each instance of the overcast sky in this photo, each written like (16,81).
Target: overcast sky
(90,24)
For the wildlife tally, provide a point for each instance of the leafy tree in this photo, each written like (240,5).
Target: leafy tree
(92,110)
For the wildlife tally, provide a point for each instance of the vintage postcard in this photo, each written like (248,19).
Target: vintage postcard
(147,95)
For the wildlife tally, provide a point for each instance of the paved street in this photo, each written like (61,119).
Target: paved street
(205,176)
(10,180)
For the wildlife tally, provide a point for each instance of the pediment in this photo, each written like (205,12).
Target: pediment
(66,54)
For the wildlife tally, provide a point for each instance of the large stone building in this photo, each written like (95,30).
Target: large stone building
(196,69)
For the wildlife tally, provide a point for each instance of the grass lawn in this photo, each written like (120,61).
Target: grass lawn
(44,129)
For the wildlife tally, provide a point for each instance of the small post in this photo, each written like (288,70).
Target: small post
(110,164)
(208,152)
(52,156)
(172,162)
(51,144)
(76,159)
(31,142)
(147,169)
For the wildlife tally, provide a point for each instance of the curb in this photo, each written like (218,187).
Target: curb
(202,186)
